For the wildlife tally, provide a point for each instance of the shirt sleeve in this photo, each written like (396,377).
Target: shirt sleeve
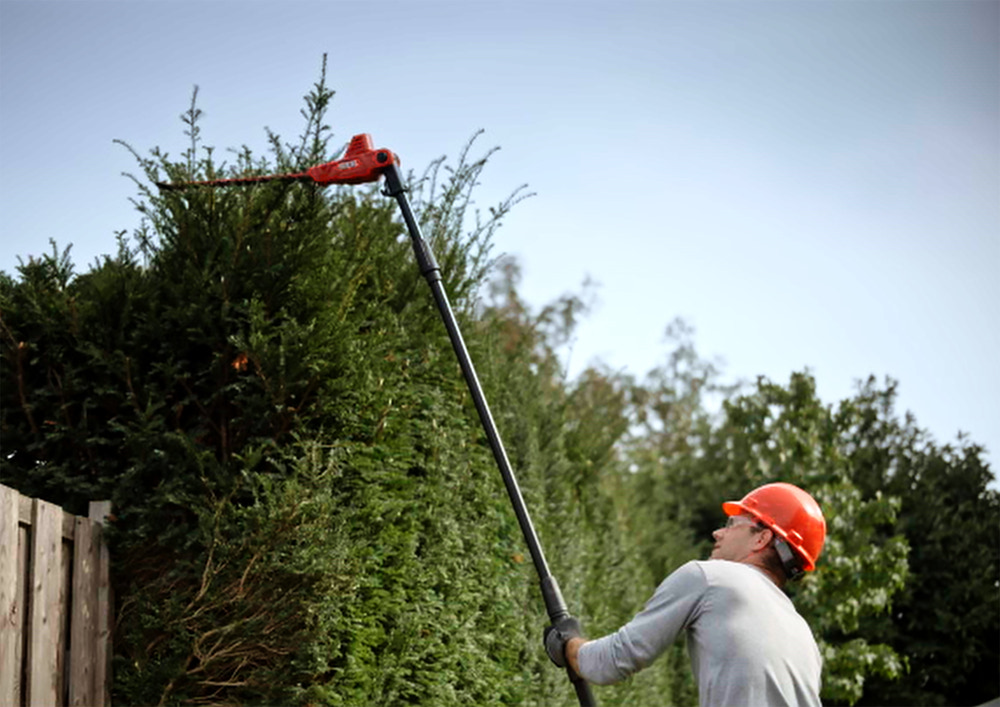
(674,606)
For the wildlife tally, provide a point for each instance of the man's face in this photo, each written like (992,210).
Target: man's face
(738,539)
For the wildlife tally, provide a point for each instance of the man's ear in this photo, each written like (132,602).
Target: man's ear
(763,538)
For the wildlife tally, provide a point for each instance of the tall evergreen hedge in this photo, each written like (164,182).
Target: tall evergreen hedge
(306,508)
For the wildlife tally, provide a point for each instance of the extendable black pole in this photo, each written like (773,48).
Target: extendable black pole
(554,603)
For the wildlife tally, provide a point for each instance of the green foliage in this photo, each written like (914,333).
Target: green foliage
(238,621)
(946,620)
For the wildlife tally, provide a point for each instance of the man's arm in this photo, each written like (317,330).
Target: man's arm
(635,645)
(572,650)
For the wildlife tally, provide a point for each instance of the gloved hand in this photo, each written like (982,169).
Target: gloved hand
(557,635)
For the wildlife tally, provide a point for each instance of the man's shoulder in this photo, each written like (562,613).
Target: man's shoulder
(691,571)
(687,579)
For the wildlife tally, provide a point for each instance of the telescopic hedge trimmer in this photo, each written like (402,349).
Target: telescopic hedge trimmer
(362,163)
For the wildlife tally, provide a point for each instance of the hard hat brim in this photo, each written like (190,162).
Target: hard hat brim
(732,508)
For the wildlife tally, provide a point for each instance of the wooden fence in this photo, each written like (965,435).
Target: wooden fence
(55,604)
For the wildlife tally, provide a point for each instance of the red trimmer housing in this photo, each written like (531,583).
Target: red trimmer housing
(361,163)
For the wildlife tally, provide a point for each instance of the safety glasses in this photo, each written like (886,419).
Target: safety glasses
(736,521)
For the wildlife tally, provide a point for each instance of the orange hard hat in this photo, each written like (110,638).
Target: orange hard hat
(789,512)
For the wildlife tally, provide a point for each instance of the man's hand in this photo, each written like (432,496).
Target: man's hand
(556,637)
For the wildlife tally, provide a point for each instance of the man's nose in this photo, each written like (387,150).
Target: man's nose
(717,534)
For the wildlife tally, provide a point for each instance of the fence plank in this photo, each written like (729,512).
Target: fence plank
(65,586)
(10,609)
(82,641)
(99,511)
(24,602)
(46,612)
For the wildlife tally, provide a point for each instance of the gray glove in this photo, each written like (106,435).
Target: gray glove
(557,636)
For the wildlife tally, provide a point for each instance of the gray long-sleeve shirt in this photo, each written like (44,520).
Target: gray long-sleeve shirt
(748,644)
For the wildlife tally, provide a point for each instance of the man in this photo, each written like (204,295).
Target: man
(748,645)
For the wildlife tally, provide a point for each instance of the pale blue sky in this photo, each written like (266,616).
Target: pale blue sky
(810,184)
